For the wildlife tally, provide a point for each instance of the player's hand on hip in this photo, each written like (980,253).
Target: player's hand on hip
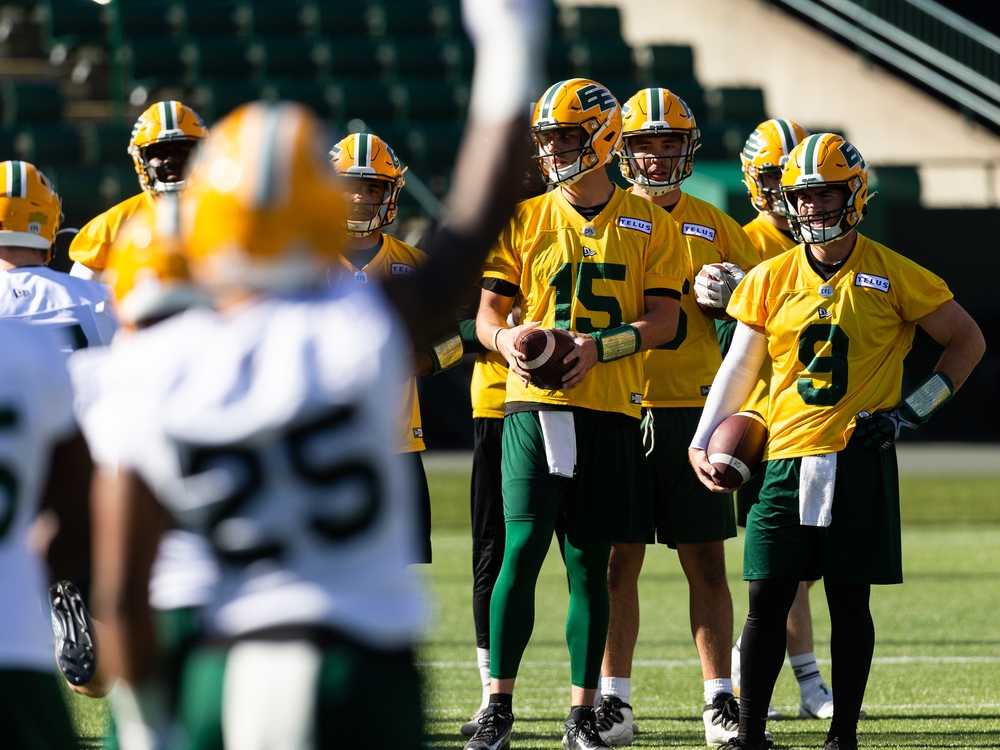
(704,470)
(584,355)
(507,346)
(883,428)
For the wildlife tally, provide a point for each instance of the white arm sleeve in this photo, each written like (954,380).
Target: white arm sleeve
(733,382)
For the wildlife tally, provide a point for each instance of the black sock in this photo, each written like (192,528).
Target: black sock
(762,652)
(506,699)
(852,643)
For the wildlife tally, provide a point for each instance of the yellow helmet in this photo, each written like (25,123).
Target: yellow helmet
(146,270)
(30,210)
(162,122)
(825,160)
(584,104)
(368,157)
(766,151)
(657,111)
(263,208)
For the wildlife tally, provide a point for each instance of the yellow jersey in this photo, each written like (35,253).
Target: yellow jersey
(588,275)
(489,385)
(837,346)
(91,245)
(680,372)
(767,238)
(771,242)
(394,258)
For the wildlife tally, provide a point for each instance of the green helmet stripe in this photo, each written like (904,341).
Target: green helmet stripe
(17,179)
(267,187)
(811,155)
(787,136)
(655,104)
(546,109)
(361,154)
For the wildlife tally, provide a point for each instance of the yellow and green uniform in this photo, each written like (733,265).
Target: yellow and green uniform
(837,346)
(489,386)
(91,245)
(584,276)
(679,372)
(394,258)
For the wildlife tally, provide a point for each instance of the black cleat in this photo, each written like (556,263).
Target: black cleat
(495,725)
(581,730)
(76,654)
(840,743)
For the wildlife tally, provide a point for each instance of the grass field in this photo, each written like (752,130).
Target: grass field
(934,683)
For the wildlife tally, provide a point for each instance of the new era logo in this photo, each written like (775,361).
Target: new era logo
(824,313)
(418,432)
(589,252)
(635,398)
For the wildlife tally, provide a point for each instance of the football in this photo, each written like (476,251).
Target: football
(545,349)
(737,447)
(717,313)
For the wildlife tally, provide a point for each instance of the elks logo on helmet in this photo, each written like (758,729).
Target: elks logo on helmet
(765,153)
(656,112)
(825,160)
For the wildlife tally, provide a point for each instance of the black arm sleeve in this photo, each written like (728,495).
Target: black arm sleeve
(672,293)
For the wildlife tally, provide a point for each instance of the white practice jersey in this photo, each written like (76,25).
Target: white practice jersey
(40,295)
(36,413)
(271,432)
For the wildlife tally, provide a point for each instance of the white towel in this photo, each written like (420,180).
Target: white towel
(559,435)
(817,479)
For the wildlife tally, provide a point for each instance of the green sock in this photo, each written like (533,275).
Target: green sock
(587,618)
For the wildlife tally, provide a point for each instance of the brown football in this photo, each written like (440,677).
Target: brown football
(545,349)
(737,447)
(717,313)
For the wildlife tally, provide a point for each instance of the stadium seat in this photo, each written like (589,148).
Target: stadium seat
(30,101)
(157,62)
(623,87)
(342,18)
(72,23)
(8,134)
(369,101)
(88,191)
(742,104)
(432,100)
(108,144)
(146,18)
(229,58)
(440,145)
(278,18)
(287,58)
(899,185)
(693,95)
(403,139)
(216,99)
(558,61)
(602,58)
(591,22)
(426,57)
(359,57)
(215,18)
(319,97)
(721,141)
(50,144)
(409,18)
(665,63)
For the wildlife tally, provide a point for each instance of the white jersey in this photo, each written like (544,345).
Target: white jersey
(35,413)
(271,432)
(40,295)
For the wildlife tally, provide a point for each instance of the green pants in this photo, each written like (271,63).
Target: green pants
(32,712)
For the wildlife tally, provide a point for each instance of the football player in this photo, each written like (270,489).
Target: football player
(161,144)
(762,158)
(270,426)
(372,177)
(30,214)
(837,314)
(44,469)
(657,154)
(608,267)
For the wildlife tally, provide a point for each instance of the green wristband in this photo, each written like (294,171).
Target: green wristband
(615,343)
(446,352)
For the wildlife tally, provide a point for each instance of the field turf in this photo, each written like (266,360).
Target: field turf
(934,683)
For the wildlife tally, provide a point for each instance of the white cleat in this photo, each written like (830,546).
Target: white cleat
(817,705)
(614,721)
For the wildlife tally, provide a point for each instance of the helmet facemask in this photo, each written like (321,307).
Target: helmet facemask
(364,217)
(586,157)
(636,169)
(171,155)
(819,227)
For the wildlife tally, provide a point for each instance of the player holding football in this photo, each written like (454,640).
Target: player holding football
(657,155)
(837,316)
(372,177)
(30,214)
(161,144)
(589,258)
(274,437)
(762,158)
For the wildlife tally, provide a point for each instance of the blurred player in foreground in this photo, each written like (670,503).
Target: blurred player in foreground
(762,158)
(162,141)
(589,258)
(30,214)
(837,314)
(372,177)
(660,137)
(44,469)
(273,424)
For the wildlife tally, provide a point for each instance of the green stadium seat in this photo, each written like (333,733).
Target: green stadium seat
(440,145)
(591,22)
(359,57)
(426,57)
(89,191)
(287,58)
(146,18)
(278,18)
(216,99)
(602,58)
(722,141)
(342,18)
(108,144)
(319,97)
(742,104)
(158,62)
(72,23)
(215,18)
(8,134)
(558,61)
(409,18)
(693,95)
(665,63)
(31,101)
(403,139)
(435,100)
(229,58)
(369,101)
(51,144)
(896,184)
